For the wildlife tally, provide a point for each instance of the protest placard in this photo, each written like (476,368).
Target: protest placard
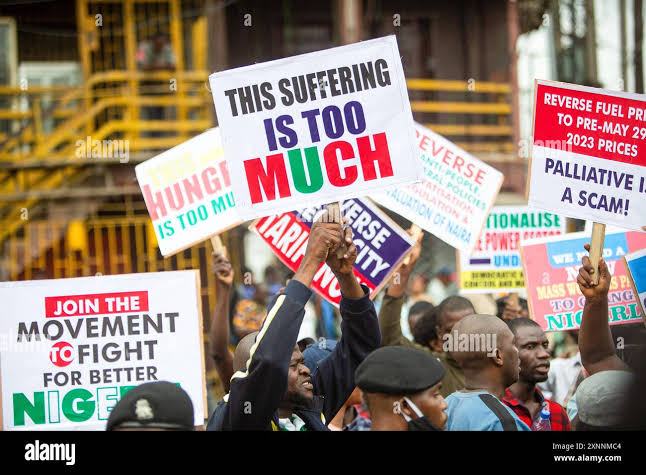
(188,193)
(636,264)
(551,267)
(316,128)
(588,157)
(455,195)
(73,347)
(495,264)
(381,244)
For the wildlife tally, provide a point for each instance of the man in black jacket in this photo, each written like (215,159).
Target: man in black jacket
(273,389)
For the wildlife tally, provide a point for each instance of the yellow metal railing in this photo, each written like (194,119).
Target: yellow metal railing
(476,115)
(104,97)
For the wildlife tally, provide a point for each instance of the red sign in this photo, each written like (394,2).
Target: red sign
(381,245)
(96,304)
(594,124)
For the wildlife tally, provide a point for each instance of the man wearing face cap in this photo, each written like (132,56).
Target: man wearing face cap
(402,389)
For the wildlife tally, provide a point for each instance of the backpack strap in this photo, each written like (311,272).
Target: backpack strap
(506,419)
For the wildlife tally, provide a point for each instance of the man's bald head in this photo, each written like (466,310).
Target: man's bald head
(485,342)
(242,352)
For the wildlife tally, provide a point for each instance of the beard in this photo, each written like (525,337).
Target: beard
(297,398)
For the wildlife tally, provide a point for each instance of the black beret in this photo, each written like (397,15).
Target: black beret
(159,404)
(398,370)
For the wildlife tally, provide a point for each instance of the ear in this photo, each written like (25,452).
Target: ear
(496,356)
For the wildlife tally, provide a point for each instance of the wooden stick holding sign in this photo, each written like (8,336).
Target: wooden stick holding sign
(596,248)
(216,242)
(415,231)
(335,216)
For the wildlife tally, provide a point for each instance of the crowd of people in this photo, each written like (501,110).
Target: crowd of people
(461,371)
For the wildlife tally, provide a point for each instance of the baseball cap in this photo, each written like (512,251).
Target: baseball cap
(316,352)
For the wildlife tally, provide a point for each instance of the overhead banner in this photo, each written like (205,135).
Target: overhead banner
(551,267)
(73,347)
(455,195)
(495,264)
(188,193)
(588,158)
(636,264)
(381,244)
(316,128)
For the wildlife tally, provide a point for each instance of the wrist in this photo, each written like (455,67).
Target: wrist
(597,301)
(221,286)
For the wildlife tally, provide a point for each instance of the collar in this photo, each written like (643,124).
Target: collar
(512,400)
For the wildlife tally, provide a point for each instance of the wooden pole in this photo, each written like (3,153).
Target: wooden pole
(335,216)
(596,248)
(216,242)
(415,231)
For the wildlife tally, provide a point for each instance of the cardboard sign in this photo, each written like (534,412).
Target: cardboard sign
(316,128)
(188,193)
(495,264)
(454,197)
(589,154)
(551,267)
(381,244)
(636,264)
(74,347)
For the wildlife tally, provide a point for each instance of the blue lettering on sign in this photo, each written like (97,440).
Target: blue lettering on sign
(569,253)
(506,260)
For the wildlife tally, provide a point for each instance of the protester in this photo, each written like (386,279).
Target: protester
(424,332)
(349,417)
(219,331)
(601,399)
(449,312)
(601,395)
(524,397)
(488,370)
(249,313)
(508,309)
(402,389)
(442,285)
(416,311)
(561,379)
(271,388)
(159,405)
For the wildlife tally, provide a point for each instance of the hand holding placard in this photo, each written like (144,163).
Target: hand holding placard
(594,284)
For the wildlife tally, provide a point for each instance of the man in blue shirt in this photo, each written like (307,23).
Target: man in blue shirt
(484,347)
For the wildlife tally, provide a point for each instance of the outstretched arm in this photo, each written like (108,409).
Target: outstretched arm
(595,340)
(219,332)
(257,390)
(334,376)
(391,306)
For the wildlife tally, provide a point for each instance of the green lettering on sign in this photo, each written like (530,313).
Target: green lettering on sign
(35,411)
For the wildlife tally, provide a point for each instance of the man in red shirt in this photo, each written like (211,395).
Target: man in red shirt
(524,397)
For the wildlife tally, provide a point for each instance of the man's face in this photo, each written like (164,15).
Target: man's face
(417,285)
(534,354)
(447,320)
(510,361)
(432,404)
(300,391)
